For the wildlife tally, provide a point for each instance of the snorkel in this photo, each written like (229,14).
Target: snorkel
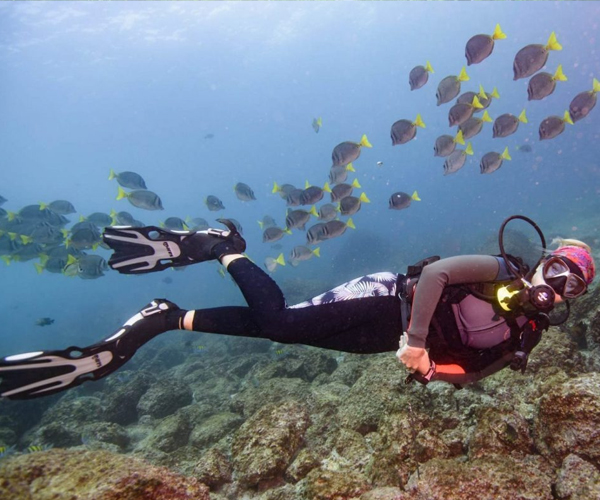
(521,296)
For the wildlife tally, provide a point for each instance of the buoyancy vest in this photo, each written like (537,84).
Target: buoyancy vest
(467,330)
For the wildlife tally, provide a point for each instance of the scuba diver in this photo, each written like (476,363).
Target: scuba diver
(456,319)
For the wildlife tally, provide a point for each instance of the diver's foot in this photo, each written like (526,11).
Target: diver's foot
(213,244)
(157,317)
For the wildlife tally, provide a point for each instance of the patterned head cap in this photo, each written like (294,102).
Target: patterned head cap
(581,257)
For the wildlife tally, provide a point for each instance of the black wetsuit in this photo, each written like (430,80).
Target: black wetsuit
(466,338)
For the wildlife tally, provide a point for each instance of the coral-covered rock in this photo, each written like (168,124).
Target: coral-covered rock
(387,493)
(500,431)
(569,419)
(164,397)
(171,433)
(74,411)
(99,475)
(214,428)
(577,480)
(264,445)
(273,390)
(97,434)
(484,479)
(374,395)
(304,462)
(332,485)
(120,403)
(213,469)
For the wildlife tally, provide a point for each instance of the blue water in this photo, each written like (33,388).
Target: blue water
(85,87)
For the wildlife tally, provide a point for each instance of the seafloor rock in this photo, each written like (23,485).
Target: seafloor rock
(577,480)
(304,462)
(171,433)
(500,431)
(214,428)
(374,395)
(332,485)
(100,434)
(569,419)
(99,475)
(164,397)
(74,410)
(264,445)
(487,478)
(274,390)
(120,403)
(213,469)
(387,493)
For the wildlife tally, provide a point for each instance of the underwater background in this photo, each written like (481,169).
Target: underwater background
(197,97)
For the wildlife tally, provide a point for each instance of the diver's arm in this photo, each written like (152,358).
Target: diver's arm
(433,279)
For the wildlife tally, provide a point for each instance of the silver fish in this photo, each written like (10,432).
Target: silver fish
(142,198)
(129,180)
(419,75)
(244,192)
(213,203)
(316,234)
(272,234)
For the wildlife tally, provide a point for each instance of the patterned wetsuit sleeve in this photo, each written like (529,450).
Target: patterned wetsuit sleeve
(433,279)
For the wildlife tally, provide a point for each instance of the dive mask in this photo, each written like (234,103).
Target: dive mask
(563,279)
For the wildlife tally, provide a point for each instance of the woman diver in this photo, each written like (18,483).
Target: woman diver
(458,319)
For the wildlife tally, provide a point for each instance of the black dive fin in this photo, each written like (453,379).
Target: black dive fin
(41,373)
(139,250)
(35,374)
(144,249)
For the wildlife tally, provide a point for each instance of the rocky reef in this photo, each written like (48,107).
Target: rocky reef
(248,419)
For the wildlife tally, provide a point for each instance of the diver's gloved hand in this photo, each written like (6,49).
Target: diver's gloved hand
(41,373)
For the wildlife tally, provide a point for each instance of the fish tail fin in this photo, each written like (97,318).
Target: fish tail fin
(364,198)
(39,268)
(25,239)
(313,211)
(495,93)
(320,121)
(469,149)
(596,85)
(459,139)
(559,75)
(306,185)
(523,117)
(317,251)
(260,223)
(350,223)
(12,236)
(415,196)
(350,167)
(287,230)
(356,184)
(498,33)
(419,121)
(462,76)
(121,194)
(428,67)
(567,118)
(81,218)
(280,260)
(6,259)
(43,205)
(505,155)
(486,117)
(482,93)
(43,259)
(476,104)
(326,188)
(553,42)
(11,216)
(111,175)
(365,142)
